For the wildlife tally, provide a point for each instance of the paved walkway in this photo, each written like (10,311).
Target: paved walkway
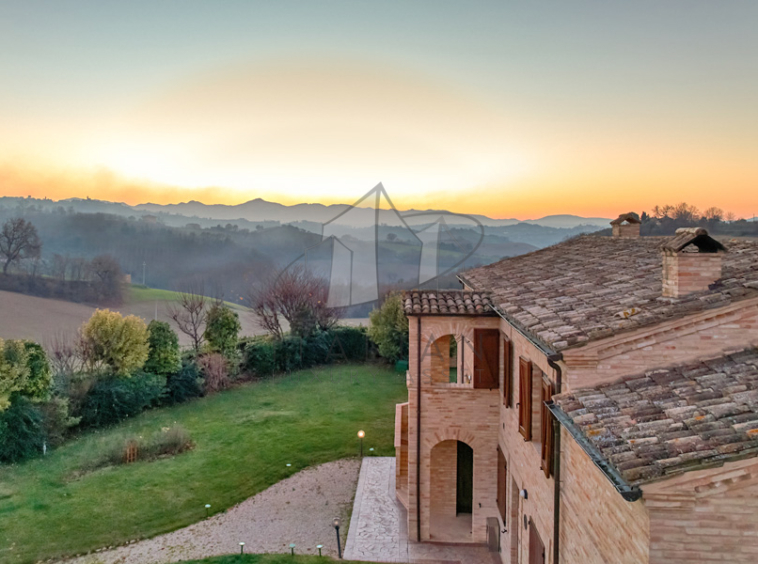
(378,527)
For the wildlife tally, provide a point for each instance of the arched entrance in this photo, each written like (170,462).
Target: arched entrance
(452,491)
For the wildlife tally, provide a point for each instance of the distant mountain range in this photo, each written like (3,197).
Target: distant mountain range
(260,210)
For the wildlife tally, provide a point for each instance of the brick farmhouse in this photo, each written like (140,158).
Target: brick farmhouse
(592,402)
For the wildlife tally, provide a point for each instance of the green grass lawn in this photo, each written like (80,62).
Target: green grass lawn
(138,293)
(244,439)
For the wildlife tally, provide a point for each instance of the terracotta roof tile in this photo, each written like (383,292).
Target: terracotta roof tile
(447,302)
(591,287)
(673,420)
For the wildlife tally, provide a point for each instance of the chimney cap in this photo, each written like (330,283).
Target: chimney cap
(630,217)
(697,236)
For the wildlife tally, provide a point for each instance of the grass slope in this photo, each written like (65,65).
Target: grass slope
(244,439)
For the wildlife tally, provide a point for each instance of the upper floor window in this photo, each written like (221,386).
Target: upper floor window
(525,398)
(507,373)
(546,428)
(487,358)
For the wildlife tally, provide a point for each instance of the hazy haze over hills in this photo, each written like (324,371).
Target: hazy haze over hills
(262,210)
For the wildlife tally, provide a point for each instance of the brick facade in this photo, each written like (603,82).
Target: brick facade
(702,516)
(685,273)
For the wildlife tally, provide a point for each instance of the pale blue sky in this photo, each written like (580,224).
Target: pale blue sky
(684,69)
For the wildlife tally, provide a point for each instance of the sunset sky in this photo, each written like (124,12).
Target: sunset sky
(509,109)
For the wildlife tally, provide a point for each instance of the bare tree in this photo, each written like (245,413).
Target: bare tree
(299,297)
(65,354)
(59,266)
(106,273)
(189,313)
(713,214)
(18,240)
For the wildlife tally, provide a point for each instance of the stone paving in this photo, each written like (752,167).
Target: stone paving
(378,527)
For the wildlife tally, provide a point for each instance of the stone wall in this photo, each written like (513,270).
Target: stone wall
(705,516)
(597,525)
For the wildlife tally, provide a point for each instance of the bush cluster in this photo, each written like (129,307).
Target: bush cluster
(121,367)
(113,399)
(263,356)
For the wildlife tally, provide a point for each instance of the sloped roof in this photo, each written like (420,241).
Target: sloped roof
(698,237)
(591,287)
(628,217)
(447,302)
(673,420)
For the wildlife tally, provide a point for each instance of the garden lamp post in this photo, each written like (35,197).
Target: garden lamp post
(319,546)
(242,548)
(336,523)
(207,510)
(361,434)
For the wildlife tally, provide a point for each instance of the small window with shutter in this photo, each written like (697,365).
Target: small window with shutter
(507,373)
(547,428)
(486,358)
(525,399)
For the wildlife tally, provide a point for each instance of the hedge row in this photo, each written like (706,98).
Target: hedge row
(263,356)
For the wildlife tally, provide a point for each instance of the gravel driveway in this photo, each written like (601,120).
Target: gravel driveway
(297,510)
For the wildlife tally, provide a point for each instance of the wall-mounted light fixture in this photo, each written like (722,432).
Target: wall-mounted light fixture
(524,494)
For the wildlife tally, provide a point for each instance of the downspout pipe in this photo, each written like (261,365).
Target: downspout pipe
(552,360)
(418,428)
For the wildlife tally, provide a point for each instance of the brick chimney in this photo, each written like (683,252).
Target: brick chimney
(692,261)
(626,226)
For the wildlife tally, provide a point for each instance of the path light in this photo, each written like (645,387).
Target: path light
(336,524)
(242,547)
(319,546)
(361,434)
(207,509)
(292,549)
(288,465)
(371,449)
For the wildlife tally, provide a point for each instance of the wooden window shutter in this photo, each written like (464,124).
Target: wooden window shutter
(547,428)
(525,399)
(507,373)
(486,358)
(502,481)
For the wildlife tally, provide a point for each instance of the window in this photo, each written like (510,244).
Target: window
(507,373)
(525,399)
(502,482)
(486,358)
(547,428)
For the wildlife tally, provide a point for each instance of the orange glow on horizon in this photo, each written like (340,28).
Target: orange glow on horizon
(525,200)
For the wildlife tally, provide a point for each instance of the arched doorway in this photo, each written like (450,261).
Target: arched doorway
(452,491)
